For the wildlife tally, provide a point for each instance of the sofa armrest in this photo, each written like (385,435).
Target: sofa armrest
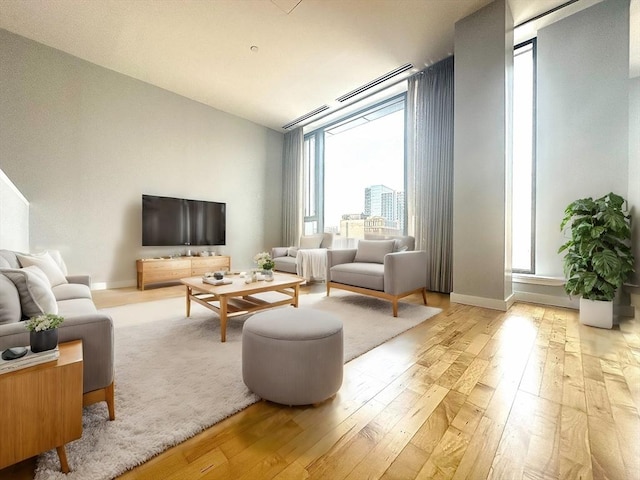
(82,279)
(96,332)
(279,252)
(405,271)
(336,257)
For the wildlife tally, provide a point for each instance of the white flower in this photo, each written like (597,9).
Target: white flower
(46,321)
(263,260)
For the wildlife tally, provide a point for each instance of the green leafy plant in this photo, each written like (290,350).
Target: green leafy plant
(598,256)
(46,321)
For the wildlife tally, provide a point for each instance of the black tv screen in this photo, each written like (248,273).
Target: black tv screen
(168,221)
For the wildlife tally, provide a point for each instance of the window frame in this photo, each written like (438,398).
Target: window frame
(318,152)
(319,135)
(534,50)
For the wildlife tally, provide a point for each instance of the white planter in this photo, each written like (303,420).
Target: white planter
(596,313)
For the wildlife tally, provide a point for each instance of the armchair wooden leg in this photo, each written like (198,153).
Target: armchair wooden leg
(328,288)
(424,295)
(395,307)
(110,399)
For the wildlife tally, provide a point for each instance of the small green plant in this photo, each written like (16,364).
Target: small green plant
(598,256)
(264,261)
(46,321)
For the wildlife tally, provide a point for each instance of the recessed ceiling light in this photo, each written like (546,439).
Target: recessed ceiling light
(254,48)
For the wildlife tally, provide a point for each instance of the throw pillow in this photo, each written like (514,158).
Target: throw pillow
(4,263)
(311,241)
(35,292)
(46,263)
(400,246)
(57,257)
(373,251)
(10,311)
(10,257)
(292,252)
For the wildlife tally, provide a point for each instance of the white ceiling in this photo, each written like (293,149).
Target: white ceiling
(309,51)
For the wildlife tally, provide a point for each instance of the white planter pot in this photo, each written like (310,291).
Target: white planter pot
(596,313)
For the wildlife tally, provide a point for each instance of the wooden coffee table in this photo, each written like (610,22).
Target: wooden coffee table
(237,298)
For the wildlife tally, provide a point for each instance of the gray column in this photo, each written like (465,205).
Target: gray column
(482,158)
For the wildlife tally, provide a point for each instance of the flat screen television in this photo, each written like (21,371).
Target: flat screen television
(168,221)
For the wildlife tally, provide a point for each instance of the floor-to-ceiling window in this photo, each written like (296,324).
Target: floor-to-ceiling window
(524,73)
(358,186)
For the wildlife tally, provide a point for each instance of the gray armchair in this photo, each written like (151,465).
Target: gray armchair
(388,269)
(284,258)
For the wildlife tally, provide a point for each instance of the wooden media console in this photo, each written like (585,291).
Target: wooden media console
(158,270)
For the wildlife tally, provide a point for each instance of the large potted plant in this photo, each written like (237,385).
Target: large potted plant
(598,257)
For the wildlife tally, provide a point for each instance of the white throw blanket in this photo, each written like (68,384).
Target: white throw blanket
(311,264)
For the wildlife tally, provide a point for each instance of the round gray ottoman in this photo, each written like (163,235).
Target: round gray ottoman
(292,356)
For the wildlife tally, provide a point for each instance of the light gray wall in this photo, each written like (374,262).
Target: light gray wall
(14,216)
(583,108)
(83,143)
(483,59)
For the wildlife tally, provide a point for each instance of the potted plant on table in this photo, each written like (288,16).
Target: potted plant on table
(598,257)
(43,330)
(266,264)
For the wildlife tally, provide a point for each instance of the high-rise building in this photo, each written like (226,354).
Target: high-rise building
(382,201)
(373,200)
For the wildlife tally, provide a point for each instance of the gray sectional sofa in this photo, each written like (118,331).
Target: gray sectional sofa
(24,292)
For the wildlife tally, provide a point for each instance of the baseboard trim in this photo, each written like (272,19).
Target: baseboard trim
(552,300)
(110,285)
(538,280)
(492,303)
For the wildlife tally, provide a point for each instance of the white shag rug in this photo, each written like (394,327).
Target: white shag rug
(174,378)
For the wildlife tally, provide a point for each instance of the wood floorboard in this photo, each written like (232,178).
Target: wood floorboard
(469,394)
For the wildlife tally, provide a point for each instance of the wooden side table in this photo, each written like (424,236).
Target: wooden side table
(41,407)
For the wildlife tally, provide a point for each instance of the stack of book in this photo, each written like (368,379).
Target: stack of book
(29,360)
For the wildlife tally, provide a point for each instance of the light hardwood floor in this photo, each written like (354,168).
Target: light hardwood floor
(470,393)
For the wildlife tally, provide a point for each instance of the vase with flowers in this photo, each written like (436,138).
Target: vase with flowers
(43,331)
(266,264)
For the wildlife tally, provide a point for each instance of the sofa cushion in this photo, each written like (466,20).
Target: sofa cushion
(311,241)
(10,311)
(68,291)
(403,243)
(292,252)
(76,307)
(365,275)
(46,263)
(35,292)
(4,263)
(285,264)
(373,251)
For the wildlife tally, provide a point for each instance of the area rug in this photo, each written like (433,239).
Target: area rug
(174,378)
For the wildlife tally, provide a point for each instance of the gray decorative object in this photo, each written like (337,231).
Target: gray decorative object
(293,356)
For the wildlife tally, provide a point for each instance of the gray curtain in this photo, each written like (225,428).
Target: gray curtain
(430,169)
(292,187)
